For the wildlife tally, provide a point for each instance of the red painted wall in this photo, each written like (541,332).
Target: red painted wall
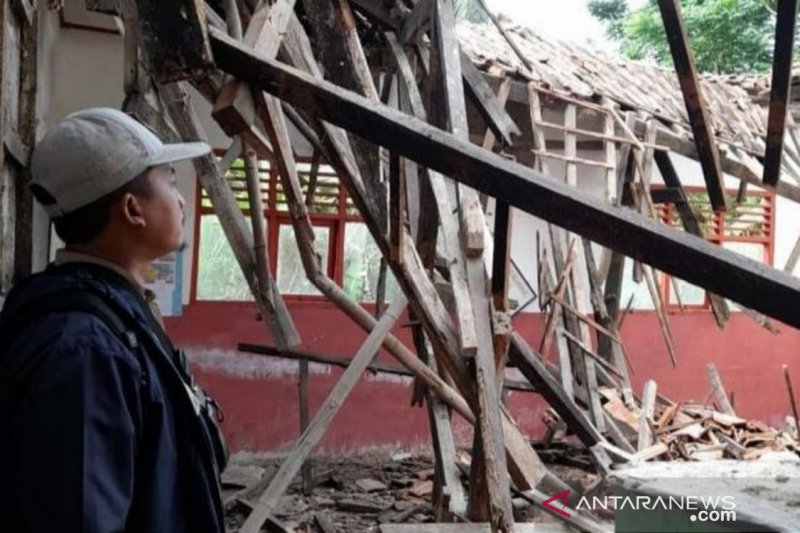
(259,395)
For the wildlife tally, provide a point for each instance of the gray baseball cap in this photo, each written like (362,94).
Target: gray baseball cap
(94,152)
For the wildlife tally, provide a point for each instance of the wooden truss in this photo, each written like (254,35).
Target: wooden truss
(423,187)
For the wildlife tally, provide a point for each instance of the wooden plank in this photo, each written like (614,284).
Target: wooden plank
(25,11)
(487,103)
(691,224)
(174,34)
(570,145)
(277,316)
(718,390)
(416,22)
(533,368)
(379,12)
(786,21)
(316,430)
(499,286)
(572,161)
(653,286)
(225,205)
(646,415)
(445,57)
(23,138)
(603,318)
(397,206)
(525,466)
(450,113)
(696,103)
(506,36)
(234,109)
(727,273)
(611,159)
(342,58)
(452,495)
(792,401)
(448,223)
(302,392)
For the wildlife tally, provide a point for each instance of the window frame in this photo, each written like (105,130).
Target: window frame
(336,222)
(718,238)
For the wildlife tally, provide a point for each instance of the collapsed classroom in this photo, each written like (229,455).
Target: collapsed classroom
(509,254)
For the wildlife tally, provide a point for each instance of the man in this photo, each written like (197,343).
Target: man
(101,427)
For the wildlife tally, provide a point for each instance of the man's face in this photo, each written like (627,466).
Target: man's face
(163,209)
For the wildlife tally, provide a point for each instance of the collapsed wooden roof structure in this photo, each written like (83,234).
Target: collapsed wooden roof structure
(330,69)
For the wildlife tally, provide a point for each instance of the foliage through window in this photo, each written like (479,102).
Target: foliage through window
(347,251)
(746,228)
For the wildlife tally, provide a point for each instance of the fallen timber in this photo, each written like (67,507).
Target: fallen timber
(723,272)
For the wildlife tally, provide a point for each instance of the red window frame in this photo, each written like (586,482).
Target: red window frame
(718,234)
(275,217)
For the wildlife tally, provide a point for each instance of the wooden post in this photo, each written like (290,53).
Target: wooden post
(718,390)
(792,401)
(302,389)
(786,21)
(696,103)
(316,430)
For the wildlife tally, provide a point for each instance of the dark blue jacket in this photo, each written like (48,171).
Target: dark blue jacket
(98,435)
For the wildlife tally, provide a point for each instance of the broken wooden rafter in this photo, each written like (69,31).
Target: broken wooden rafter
(449,225)
(690,223)
(696,103)
(524,464)
(726,273)
(316,430)
(487,103)
(786,21)
(449,93)
(718,390)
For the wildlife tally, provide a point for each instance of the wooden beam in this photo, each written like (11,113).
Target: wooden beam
(525,466)
(316,430)
(234,109)
(487,103)
(277,315)
(718,390)
(174,34)
(724,272)
(448,223)
(646,415)
(416,22)
(450,498)
(691,224)
(696,103)
(188,125)
(534,369)
(449,112)
(342,362)
(786,22)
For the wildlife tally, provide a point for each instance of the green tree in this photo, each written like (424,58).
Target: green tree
(726,36)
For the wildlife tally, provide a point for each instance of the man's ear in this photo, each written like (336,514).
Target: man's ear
(132,212)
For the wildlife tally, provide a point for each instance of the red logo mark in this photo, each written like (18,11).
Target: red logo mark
(561,496)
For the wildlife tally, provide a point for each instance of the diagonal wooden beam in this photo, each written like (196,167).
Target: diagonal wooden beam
(690,223)
(779,97)
(729,274)
(696,103)
(316,430)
